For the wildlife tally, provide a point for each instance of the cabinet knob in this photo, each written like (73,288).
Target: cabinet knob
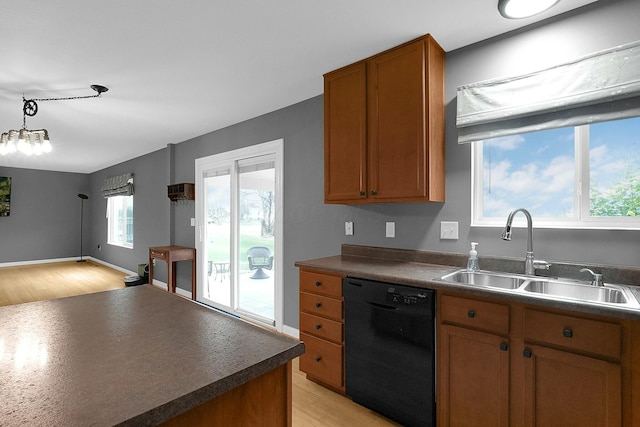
(471,314)
(374,192)
(527,354)
(504,346)
(318,327)
(318,359)
(362,193)
(318,305)
(567,333)
(318,284)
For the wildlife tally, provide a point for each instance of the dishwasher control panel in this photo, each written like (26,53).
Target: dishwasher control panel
(405,298)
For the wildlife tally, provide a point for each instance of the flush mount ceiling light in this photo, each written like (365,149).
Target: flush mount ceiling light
(30,141)
(517,9)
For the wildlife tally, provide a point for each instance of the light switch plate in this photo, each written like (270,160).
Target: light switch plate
(193,222)
(348,228)
(449,230)
(390,230)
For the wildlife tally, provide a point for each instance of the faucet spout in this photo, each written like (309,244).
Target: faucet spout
(506,235)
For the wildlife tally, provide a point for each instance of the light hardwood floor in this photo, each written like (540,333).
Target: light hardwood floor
(312,406)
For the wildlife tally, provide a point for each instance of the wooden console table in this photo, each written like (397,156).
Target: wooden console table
(171,254)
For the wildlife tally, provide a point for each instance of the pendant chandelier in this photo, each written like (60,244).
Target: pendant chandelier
(34,141)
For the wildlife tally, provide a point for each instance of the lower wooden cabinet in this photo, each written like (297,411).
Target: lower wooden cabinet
(567,389)
(543,367)
(475,384)
(322,328)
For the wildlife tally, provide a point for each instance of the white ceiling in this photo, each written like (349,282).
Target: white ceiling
(179,69)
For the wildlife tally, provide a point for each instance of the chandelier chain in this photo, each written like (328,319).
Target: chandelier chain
(99,95)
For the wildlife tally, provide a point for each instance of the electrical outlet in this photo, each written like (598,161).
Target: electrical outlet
(390,230)
(99,248)
(348,228)
(449,230)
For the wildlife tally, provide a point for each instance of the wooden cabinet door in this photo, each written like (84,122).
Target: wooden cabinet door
(397,114)
(345,134)
(473,378)
(566,389)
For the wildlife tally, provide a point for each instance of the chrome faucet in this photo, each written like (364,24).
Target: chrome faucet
(506,235)
(596,279)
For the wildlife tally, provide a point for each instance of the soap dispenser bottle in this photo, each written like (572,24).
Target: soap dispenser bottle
(472,263)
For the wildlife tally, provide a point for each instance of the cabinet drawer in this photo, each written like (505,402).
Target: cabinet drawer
(475,314)
(157,255)
(321,327)
(322,284)
(322,360)
(321,306)
(576,333)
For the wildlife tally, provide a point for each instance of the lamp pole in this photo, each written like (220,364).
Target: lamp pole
(83,197)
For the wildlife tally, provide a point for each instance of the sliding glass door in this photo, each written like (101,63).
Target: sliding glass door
(239,232)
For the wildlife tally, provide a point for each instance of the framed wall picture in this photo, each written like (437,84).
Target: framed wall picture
(5,195)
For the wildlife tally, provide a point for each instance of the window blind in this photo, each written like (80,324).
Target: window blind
(120,185)
(598,87)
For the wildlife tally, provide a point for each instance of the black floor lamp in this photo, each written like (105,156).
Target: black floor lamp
(83,197)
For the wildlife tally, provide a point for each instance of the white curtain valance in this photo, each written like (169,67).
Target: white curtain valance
(121,185)
(598,87)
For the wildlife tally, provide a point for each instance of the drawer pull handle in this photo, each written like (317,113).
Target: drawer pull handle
(567,333)
(504,347)
(318,305)
(471,314)
(318,284)
(527,354)
(318,359)
(318,327)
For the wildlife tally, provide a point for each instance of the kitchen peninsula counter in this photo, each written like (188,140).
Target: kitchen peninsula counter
(139,356)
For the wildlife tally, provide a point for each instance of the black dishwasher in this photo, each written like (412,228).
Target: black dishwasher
(390,349)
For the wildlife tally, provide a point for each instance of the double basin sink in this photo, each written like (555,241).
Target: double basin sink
(559,289)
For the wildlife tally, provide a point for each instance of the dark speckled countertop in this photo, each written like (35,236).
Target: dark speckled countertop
(422,269)
(133,356)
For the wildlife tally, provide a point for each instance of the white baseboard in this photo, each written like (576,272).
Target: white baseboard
(113,266)
(38,261)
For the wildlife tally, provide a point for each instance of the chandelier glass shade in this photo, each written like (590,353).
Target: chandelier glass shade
(26,141)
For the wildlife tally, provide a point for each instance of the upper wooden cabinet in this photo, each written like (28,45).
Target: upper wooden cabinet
(384,127)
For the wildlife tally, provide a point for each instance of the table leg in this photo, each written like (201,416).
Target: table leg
(151,271)
(193,278)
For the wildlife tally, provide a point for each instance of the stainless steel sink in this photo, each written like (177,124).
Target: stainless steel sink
(602,294)
(542,287)
(484,278)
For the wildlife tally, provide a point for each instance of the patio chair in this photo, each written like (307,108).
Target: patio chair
(260,257)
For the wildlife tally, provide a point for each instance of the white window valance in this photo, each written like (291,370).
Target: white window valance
(121,185)
(598,87)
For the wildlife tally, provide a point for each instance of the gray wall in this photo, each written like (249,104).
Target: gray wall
(313,229)
(150,212)
(45,216)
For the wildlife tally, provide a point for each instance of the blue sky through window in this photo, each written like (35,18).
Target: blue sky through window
(533,170)
(537,170)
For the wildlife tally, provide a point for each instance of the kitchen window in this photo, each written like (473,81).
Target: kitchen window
(120,221)
(573,177)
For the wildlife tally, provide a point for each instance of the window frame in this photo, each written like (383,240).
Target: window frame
(581,218)
(111,218)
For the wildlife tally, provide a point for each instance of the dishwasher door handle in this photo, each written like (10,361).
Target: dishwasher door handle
(382,306)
